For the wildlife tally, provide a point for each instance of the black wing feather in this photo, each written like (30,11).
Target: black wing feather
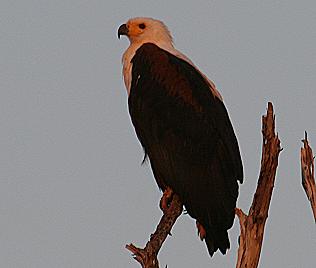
(187,134)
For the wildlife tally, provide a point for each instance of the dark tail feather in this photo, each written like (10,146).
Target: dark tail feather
(217,240)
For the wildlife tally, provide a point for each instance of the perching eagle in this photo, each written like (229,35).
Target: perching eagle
(184,128)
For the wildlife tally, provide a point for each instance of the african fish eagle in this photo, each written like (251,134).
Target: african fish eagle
(184,129)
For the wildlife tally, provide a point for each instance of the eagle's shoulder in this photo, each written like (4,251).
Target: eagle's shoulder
(151,54)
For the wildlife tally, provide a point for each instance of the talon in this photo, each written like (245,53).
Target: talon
(201,230)
(166,199)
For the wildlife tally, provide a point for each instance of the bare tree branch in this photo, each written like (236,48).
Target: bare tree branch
(252,226)
(147,257)
(308,179)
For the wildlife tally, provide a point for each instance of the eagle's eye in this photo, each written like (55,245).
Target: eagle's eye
(141,26)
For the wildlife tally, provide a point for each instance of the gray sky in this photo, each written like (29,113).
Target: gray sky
(72,190)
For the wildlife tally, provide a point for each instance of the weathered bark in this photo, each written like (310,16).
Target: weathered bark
(252,226)
(147,257)
(308,179)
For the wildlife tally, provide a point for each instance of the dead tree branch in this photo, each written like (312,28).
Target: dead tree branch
(147,257)
(252,226)
(308,179)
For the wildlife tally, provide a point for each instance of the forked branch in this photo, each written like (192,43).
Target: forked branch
(252,225)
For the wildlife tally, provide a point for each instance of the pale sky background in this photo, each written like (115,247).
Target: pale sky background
(72,188)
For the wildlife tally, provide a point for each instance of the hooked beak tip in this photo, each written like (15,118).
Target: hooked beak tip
(122,30)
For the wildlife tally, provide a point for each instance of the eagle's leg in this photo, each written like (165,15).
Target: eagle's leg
(166,199)
(201,230)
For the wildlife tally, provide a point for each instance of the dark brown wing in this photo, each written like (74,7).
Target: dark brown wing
(187,134)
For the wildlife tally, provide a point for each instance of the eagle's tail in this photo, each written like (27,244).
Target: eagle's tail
(217,240)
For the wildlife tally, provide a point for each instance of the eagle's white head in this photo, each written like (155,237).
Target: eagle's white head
(146,30)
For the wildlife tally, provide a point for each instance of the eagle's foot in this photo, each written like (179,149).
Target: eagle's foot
(201,230)
(166,199)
